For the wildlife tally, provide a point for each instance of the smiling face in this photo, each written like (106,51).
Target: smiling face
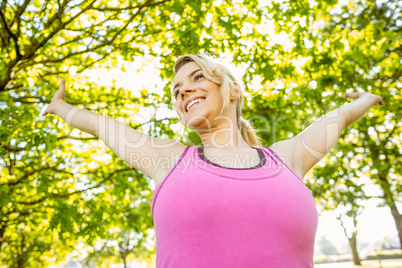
(198,100)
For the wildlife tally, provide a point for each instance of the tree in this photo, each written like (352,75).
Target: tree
(120,246)
(344,194)
(47,177)
(333,49)
(299,57)
(365,54)
(326,247)
(58,177)
(351,235)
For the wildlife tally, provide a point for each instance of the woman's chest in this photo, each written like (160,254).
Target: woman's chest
(200,201)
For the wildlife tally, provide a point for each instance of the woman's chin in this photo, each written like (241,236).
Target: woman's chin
(198,123)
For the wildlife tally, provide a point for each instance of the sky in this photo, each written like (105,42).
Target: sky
(374,224)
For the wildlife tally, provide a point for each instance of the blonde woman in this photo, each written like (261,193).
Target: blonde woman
(229,202)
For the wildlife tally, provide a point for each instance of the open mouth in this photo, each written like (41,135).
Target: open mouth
(194,103)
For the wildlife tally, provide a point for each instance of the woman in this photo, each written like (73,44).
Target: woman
(229,202)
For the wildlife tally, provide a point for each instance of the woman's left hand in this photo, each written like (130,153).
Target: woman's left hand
(375,99)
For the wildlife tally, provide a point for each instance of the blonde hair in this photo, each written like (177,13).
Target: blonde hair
(220,75)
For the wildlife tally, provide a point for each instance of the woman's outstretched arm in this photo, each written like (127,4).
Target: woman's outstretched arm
(135,148)
(310,146)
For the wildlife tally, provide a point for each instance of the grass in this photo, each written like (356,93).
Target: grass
(391,263)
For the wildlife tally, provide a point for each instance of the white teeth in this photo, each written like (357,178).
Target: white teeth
(193,102)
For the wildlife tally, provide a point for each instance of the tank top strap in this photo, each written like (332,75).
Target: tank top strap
(184,155)
(266,168)
(280,161)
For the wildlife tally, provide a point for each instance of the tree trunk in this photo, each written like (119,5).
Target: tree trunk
(390,201)
(353,246)
(124,262)
(398,222)
(353,238)
(2,231)
(123,256)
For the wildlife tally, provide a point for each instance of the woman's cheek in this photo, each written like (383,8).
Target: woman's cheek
(179,112)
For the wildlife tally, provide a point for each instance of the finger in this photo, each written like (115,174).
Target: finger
(62,85)
(61,92)
(351,95)
(380,101)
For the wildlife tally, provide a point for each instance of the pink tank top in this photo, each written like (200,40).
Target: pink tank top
(210,216)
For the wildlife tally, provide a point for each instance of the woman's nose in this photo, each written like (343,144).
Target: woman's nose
(185,89)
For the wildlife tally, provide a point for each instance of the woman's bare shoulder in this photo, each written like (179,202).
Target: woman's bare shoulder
(168,155)
(286,150)
(283,149)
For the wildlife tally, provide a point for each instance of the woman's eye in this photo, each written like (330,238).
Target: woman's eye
(199,76)
(175,93)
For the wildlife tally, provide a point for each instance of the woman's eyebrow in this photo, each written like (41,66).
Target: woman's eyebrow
(191,74)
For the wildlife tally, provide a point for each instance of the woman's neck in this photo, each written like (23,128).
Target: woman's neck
(223,138)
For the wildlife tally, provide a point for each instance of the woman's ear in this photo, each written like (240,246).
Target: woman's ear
(237,92)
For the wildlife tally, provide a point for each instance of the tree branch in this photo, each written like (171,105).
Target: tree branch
(130,7)
(12,149)
(30,173)
(75,138)
(10,88)
(23,99)
(64,195)
(93,187)
(343,226)
(11,34)
(18,14)
(33,48)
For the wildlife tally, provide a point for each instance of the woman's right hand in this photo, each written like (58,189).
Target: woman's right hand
(58,96)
